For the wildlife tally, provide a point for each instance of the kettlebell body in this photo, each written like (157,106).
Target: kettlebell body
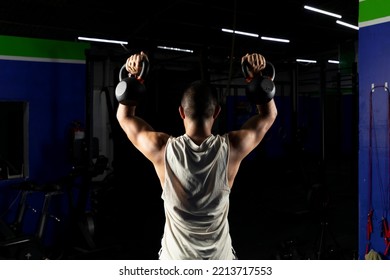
(130,89)
(260,89)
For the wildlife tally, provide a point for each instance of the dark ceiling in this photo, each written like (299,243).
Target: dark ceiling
(189,24)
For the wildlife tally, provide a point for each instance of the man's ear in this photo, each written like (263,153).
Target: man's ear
(181,112)
(217,110)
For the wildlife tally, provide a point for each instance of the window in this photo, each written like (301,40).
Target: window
(13,139)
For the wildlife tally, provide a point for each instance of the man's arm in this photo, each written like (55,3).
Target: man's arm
(246,139)
(149,142)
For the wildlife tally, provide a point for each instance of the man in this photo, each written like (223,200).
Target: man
(197,169)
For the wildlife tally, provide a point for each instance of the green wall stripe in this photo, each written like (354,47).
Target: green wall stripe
(43,48)
(373,11)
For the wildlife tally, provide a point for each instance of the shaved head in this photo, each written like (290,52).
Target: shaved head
(199,101)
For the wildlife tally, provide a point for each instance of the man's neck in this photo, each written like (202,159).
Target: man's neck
(198,135)
(198,139)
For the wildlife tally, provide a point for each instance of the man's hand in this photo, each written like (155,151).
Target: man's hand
(256,63)
(134,63)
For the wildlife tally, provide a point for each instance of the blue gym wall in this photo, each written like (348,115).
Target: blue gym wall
(374,70)
(51,77)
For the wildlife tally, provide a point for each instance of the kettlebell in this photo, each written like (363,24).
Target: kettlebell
(260,89)
(130,89)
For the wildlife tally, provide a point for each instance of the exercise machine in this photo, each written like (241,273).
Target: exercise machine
(18,245)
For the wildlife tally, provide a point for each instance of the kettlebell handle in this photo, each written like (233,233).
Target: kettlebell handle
(144,71)
(245,69)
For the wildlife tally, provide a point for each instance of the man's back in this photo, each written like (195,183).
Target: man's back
(196,199)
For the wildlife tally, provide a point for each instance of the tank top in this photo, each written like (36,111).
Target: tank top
(196,200)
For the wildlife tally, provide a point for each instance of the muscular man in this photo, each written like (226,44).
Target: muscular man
(197,169)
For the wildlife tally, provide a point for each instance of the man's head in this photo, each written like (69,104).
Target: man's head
(200,101)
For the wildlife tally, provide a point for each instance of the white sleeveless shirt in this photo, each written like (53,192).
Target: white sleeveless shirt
(196,200)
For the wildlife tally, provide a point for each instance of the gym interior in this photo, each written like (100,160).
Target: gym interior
(73,187)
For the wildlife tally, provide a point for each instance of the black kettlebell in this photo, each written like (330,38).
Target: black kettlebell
(260,89)
(130,88)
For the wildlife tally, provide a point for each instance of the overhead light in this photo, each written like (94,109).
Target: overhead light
(322,11)
(347,24)
(306,60)
(175,49)
(275,39)
(333,61)
(240,32)
(102,40)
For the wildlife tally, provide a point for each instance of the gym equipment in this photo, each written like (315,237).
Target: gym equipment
(21,246)
(130,89)
(261,88)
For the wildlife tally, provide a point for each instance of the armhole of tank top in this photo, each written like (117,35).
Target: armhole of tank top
(226,136)
(165,165)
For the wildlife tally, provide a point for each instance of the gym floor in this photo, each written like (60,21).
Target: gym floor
(288,213)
